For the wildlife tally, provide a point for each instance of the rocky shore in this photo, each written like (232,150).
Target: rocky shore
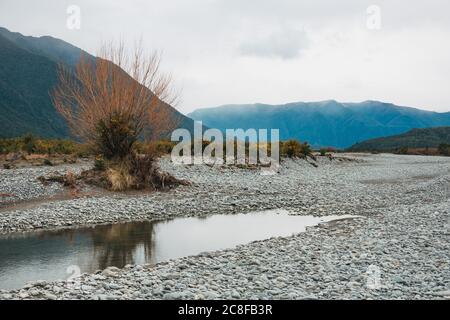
(398,248)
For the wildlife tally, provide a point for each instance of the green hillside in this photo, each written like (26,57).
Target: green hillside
(28,74)
(415,138)
(25,103)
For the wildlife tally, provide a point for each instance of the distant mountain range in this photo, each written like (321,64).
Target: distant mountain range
(322,124)
(28,73)
(28,67)
(415,138)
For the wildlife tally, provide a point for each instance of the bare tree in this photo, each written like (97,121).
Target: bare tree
(111,101)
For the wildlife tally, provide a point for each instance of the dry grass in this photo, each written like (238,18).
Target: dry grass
(147,174)
(136,172)
(120,179)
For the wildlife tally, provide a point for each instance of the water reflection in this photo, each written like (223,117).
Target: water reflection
(112,245)
(115,245)
(48,255)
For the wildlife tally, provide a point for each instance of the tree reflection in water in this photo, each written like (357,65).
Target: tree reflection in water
(116,245)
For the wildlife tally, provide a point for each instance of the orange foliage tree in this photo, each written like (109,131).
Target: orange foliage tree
(115,99)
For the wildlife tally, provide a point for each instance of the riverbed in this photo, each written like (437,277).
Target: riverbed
(398,250)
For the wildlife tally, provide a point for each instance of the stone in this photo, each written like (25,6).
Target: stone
(172,296)
(110,272)
(23,295)
(445,293)
(235,294)
(50,296)
(87,288)
(34,292)
(146,282)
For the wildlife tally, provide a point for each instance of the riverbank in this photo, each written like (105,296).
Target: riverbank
(403,235)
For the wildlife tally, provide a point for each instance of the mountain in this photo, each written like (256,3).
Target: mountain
(25,105)
(326,123)
(28,73)
(54,49)
(415,138)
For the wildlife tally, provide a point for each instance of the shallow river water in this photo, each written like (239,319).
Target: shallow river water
(59,255)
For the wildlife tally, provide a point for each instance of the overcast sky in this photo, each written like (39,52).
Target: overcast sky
(269,51)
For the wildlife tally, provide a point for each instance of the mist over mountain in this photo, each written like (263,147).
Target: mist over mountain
(325,123)
(28,74)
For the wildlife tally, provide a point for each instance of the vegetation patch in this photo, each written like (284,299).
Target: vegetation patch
(296,149)
(110,104)
(136,172)
(30,144)
(427,141)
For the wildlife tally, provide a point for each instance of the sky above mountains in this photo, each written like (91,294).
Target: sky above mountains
(271,51)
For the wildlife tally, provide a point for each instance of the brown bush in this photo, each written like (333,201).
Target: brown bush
(295,149)
(148,175)
(110,101)
(136,172)
(120,179)
(291,148)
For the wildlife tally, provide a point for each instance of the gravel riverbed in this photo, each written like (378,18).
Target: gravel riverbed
(398,248)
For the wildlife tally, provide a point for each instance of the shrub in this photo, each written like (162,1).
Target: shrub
(291,148)
(99,164)
(306,150)
(137,172)
(10,145)
(116,136)
(403,151)
(147,174)
(114,100)
(55,146)
(158,148)
(164,146)
(204,144)
(84,150)
(29,142)
(34,145)
(327,151)
(444,149)
(111,103)
(139,147)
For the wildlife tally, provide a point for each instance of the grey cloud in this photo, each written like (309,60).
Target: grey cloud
(203,41)
(287,43)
